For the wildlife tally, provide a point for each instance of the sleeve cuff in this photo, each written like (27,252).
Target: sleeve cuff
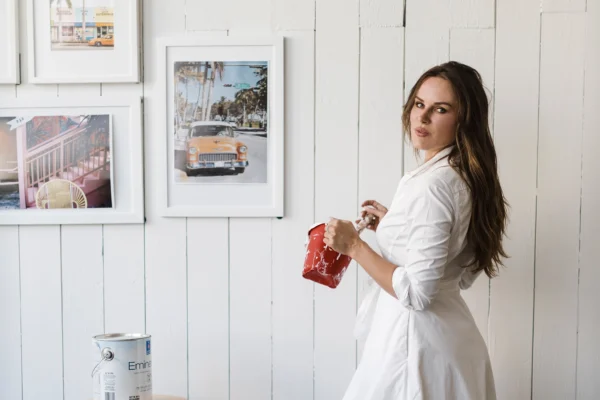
(401,286)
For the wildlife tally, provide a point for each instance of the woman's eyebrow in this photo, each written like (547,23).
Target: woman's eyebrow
(436,103)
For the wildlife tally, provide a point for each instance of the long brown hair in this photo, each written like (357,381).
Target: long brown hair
(474,158)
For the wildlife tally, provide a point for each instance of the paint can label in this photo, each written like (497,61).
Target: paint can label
(123,367)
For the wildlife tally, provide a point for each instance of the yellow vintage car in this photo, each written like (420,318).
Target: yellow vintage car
(212,145)
(106,40)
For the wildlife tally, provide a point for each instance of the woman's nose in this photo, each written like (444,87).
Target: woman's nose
(424,117)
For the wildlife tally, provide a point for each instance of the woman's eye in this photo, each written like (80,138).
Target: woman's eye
(418,104)
(441,110)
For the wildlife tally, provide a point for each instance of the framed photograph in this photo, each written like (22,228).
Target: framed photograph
(9,42)
(76,161)
(83,41)
(222,126)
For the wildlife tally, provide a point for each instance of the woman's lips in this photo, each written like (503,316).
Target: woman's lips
(421,132)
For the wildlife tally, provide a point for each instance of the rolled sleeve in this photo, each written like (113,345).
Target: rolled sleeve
(431,217)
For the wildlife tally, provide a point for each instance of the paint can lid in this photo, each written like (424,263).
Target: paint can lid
(121,336)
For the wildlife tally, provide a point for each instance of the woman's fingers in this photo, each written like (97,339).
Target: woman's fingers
(372,203)
(368,203)
(375,205)
(373,211)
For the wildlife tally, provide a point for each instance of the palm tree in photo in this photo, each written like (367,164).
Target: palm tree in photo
(204,90)
(217,68)
(201,88)
(178,77)
(184,71)
(262,93)
(247,99)
(199,84)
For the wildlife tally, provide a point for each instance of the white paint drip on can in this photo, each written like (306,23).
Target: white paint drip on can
(122,367)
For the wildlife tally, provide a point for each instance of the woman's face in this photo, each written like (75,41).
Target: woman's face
(433,117)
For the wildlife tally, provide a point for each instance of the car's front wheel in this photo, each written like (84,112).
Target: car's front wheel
(98,44)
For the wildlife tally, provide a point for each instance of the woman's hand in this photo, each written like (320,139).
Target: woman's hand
(375,209)
(341,236)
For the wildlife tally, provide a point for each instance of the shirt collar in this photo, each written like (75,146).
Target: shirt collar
(438,156)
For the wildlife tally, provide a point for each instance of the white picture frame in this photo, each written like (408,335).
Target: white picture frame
(118,62)
(9,45)
(126,160)
(227,196)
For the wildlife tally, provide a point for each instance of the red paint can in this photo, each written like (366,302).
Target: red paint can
(322,264)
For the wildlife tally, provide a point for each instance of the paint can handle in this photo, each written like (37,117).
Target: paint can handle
(107,355)
(366,221)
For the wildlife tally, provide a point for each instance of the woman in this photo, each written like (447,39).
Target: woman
(444,227)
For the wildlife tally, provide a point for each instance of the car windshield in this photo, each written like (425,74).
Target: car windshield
(210,130)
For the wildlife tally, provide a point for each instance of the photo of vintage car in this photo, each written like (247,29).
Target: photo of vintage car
(220,123)
(213,146)
(106,40)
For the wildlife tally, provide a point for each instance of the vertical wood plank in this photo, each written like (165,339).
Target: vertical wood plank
(381,13)
(380,155)
(251,15)
(10,314)
(475,47)
(558,212)
(165,238)
(166,303)
(41,312)
(293,15)
(207,16)
(208,307)
(561,6)
(83,310)
(426,45)
(250,312)
(515,138)
(588,363)
(336,163)
(124,303)
(473,13)
(292,295)
(228,14)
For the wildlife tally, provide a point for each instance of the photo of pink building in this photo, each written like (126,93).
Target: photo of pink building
(55,162)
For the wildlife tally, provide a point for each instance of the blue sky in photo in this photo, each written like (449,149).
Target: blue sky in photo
(234,72)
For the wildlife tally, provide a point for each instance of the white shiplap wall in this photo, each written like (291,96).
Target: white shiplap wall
(230,315)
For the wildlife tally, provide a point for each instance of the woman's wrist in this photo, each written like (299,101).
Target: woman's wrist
(358,249)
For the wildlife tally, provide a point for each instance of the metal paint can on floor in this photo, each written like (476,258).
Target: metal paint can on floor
(122,367)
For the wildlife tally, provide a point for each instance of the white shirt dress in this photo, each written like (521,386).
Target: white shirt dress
(424,344)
